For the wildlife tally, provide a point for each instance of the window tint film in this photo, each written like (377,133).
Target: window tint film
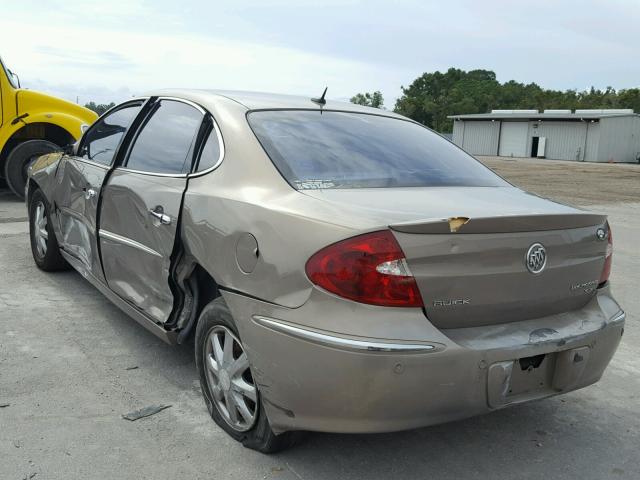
(350,150)
(100,143)
(210,152)
(165,141)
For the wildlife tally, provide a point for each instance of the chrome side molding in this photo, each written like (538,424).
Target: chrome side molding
(127,241)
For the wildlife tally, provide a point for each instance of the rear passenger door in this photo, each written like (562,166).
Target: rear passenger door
(141,205)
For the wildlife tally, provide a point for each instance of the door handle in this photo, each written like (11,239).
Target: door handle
(162,217)
(89,193)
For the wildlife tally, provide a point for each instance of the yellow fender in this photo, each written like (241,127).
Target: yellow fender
(67,122)
(36,107)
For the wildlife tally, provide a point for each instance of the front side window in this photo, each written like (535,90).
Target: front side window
(165,141)
(329,149)
(101,141)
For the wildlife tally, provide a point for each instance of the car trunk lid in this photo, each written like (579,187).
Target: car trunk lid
(466,247)
(482,271)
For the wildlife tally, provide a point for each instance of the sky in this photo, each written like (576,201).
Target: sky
(114,49)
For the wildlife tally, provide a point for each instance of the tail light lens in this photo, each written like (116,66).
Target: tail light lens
(369,268)
(606,270)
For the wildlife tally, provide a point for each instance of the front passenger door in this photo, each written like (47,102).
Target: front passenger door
(141,207)
(80,178)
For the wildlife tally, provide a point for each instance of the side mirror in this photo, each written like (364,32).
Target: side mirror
(71,149)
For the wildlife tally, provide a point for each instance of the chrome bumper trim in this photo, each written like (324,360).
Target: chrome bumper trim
(619,317)
(341,342)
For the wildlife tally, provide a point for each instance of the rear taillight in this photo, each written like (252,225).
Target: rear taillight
(369,268)
(606,269)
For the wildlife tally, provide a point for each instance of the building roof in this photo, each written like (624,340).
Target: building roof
(546,115)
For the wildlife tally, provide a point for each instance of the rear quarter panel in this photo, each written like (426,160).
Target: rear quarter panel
(247,195)
(286,237)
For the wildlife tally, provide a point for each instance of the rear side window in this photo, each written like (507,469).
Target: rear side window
(210,155)
(351,150)
(164,143)
(101,141)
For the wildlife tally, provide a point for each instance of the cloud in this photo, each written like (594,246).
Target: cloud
(137,62)
(299,46)
(83,59)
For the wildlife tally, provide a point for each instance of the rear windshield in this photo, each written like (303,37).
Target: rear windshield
(351,150)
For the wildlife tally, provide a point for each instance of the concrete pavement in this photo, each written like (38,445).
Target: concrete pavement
(67,359)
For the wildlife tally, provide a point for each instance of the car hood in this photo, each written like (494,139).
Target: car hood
(424,205)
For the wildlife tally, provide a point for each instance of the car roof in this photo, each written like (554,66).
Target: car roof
(268,101)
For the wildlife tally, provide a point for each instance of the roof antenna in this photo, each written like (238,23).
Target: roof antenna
(320,101)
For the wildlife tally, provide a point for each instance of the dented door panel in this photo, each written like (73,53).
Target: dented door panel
(136,245)
(76,198)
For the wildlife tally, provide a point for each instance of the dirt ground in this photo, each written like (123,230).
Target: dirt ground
(577,183)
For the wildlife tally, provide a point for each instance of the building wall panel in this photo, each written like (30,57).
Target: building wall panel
(565,140)
(458,132)
(615,139)
(593,141)
(619,139)
(480,138)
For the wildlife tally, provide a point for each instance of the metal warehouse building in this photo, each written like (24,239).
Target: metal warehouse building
(584,135)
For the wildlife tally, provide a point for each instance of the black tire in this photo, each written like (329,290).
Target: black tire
(19,160)
(52,260)
(260,437)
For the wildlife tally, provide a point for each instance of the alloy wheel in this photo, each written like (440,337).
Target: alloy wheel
(229,379)
(40,229)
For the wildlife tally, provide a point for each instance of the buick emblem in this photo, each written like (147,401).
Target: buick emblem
(601,234)
(536,258)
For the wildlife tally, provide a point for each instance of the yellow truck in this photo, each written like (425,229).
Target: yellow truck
(33,124)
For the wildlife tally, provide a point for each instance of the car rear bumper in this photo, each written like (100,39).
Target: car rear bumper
(314,379)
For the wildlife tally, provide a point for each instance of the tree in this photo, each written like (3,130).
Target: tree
(367,99)
(99,108)
(433,96)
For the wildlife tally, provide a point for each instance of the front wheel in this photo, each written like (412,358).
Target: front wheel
(44,245)
(229,390)
(19,160)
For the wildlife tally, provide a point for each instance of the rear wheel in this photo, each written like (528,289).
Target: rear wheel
(20,159)
(229,389)
(44,245)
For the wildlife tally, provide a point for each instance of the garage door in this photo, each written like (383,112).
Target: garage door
(481,138)
(513,139)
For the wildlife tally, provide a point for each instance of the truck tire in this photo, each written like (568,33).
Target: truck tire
(19,160)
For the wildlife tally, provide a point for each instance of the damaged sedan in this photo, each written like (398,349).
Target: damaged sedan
(341,268)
